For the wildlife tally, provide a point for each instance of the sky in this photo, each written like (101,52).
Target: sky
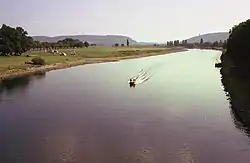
(142,20)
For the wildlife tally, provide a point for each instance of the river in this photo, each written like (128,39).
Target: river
(89,114)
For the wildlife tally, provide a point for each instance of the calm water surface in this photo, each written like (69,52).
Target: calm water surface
(88,114)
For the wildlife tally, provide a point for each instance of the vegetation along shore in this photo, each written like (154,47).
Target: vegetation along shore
(15,66)
(235,73)
(20,55)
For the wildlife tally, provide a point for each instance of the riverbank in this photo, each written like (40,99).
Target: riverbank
(60,62)
(236,85)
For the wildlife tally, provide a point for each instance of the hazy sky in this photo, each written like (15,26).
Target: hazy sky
(142,20)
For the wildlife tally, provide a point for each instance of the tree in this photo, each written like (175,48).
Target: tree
(23,40)
(53,45)
(69,42)
(171,43)
(176,43)
(14,40)
(86,44)
(215,44)
(79,44)
(224,44)
(36,44)
(45,45)
(201,41)
(208,44)
(238,48)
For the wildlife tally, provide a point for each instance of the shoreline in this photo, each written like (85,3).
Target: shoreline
(62,65)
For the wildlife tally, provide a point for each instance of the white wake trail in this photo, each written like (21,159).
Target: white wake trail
(144,75)
(144,78)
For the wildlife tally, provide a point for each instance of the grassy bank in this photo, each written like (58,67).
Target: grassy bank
(15,65)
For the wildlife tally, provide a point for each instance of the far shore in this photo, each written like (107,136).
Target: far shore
(9,74)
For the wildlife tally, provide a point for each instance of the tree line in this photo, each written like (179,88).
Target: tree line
(65,43)
(216,44)
(201,44)
(238,48)
(117,44)
(235,73)
(15,41)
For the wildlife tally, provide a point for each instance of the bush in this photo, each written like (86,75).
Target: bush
(38,61)
(218,65)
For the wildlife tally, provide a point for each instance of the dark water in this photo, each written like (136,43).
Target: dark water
(88,114)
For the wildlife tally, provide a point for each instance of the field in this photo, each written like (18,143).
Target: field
(15,63)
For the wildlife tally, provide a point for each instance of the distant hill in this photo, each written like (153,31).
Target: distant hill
(209,37)
(107,40)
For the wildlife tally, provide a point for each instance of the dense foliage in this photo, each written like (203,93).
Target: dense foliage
(238,47)
(201,44)
(235,74)
(173,43)
(14,41)
(65,43)
(69,42)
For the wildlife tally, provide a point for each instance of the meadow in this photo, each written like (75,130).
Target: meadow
(10,64)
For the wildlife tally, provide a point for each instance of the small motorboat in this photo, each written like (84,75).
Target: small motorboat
(132,82)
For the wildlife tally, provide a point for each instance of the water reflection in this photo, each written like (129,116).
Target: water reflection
(9,86)
(238,92)
(131,85)
(89,114)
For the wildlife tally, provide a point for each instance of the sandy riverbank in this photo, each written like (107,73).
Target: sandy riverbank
(38,69)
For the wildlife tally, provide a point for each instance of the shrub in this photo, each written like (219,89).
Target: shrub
(218,65)
(38,61)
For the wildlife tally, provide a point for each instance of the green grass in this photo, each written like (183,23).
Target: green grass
(18,62)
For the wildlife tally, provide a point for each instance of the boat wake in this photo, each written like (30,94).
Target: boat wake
(144,75)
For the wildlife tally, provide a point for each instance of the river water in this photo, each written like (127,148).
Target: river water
(89,114)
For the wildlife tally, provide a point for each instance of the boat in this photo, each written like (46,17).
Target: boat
(132,82)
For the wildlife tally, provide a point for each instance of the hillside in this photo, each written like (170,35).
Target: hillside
(209,37)
(109,40)
(93,39)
